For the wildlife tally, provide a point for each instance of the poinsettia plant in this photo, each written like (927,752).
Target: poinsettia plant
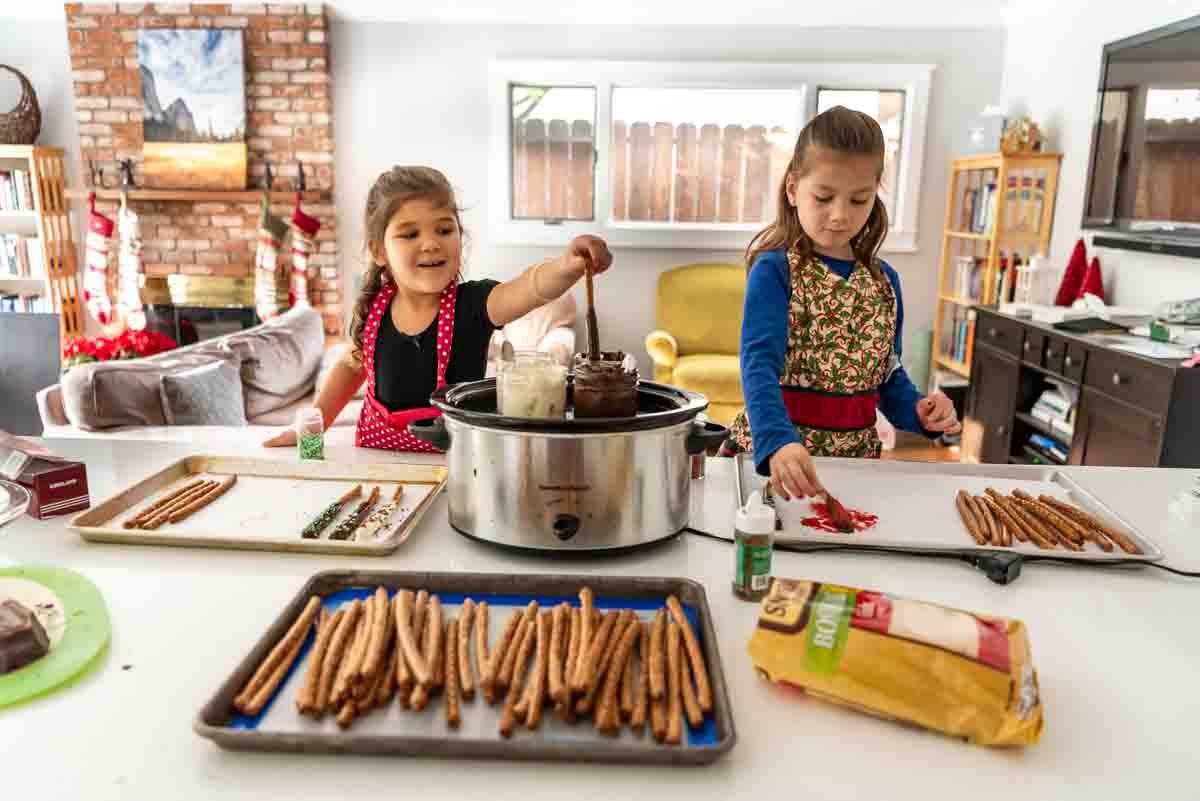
(126,345)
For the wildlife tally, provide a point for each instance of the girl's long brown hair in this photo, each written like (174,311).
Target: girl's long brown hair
(391,190)
(838,130)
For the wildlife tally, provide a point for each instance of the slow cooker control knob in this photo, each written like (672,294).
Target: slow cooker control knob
(566,527)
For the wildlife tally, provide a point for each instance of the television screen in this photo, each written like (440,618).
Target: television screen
(1144,179)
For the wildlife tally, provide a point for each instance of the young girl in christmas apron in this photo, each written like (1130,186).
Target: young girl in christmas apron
(417,326)
(821,330)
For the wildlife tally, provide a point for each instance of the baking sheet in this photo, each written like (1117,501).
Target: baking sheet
(916,508)
(398,731)
(268,506)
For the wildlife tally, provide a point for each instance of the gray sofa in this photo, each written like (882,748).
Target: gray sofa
(280,364)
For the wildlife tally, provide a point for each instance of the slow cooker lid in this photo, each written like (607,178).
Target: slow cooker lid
(659,406)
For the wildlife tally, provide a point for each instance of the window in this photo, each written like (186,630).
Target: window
(673,154)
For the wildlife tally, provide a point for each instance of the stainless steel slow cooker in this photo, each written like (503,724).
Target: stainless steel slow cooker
(568,485)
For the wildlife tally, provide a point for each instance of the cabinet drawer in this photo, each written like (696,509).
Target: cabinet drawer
(1143,385)
(1034,347)
(1054,354)
(999,333)
(1074,361)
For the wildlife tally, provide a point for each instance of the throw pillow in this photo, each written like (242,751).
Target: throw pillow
(205,396)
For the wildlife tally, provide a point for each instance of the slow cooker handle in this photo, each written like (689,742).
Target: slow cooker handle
(704,436)
(431,430)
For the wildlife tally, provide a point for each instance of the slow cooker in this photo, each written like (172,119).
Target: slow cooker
(569,485)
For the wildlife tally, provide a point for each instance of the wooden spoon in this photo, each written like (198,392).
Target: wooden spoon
(593,328)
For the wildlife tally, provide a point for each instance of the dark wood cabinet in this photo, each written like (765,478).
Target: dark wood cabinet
(988,428)
(1133,411)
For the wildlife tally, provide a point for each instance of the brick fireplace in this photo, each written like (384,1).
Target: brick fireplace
(289,121)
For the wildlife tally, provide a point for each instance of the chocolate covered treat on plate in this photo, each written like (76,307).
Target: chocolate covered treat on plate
(22,638)
(605,387)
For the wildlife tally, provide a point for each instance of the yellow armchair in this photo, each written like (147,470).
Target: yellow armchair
(699,318)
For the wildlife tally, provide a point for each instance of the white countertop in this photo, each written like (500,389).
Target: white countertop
(1117,653)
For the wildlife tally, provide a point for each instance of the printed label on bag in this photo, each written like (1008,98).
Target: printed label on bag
(829,620)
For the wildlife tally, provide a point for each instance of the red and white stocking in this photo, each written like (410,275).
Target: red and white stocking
(270,287)
(304,232)
(95,274)
(129,256)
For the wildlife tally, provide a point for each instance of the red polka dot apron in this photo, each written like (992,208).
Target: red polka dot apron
(378,427)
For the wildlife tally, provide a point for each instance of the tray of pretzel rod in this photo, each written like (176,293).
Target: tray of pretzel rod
(537,667)
(267,504)
(957,509)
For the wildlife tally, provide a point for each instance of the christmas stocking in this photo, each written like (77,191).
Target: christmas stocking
(95,275)
(270,288)
(129,303)
(304,230)
(1093,281)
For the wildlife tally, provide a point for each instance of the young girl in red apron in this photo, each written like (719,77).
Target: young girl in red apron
(821,330)
(417,325)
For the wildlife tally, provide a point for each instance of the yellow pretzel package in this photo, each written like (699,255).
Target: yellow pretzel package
(955,672)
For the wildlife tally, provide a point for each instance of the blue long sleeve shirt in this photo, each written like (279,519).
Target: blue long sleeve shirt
(764,346)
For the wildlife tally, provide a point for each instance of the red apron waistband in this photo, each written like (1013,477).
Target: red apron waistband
(815,409)
(400,420)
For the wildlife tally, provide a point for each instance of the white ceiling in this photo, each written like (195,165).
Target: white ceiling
(740,13)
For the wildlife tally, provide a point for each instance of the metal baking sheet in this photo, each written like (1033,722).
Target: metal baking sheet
(269,505)
(916,510)
(395,731)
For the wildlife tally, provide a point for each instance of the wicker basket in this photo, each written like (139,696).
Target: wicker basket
(22,125)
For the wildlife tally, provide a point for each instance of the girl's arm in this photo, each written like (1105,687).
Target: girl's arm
(547,280)
(342,382)
(763,347)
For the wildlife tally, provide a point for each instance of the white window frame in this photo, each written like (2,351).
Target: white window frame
(804,77)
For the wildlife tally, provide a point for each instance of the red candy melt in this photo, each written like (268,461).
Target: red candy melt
(823,521)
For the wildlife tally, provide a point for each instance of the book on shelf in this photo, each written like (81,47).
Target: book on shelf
(16,191)
(21,257)
(967,221)
(27,304)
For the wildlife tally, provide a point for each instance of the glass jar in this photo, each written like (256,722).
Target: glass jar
(532,384)
(606,387)
(310,433)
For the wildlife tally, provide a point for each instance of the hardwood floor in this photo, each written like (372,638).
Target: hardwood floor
(916,448)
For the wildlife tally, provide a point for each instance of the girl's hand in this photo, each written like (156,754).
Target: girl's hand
(936,413)
(584,249)
(793,474)
(283,439)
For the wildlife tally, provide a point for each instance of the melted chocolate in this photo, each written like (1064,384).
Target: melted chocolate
(22,638)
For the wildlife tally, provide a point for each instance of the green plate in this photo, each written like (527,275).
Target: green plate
(79,630)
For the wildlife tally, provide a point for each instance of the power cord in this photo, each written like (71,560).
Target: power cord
(1001,568)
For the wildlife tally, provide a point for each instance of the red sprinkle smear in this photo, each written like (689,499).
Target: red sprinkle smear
(823,521)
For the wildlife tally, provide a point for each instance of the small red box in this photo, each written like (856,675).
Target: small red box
(58,488)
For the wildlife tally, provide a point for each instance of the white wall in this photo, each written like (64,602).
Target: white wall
(1051,71)
(417,94)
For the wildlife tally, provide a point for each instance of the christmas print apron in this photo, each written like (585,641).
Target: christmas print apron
(839,352)
(377,427)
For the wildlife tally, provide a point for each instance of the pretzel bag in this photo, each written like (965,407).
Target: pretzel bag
(955,672)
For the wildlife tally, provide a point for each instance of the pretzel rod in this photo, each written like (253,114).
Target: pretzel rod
(333,656)
(439,667)
(1033,523)
(627,690)
(537,699)
(452,651)
(346,715)
(508,715)
(1039,509)
(404,677)
(481,640)
(161,502)
(703,688)
(554,668)
(199,503)
(344,529)
(658,645)
(421,694)
(575,622)
(494,662)
(1091,521)
(164,514)
(505,677)
(984,515)
(366,701)
(306,699)
(658,717)
(608,719)
(418,619)
(1009,526)
(637,720)
(674,682)
(691,706)
(1005,507)
(587,607)
(416,668)
(1082,530)
(585,678)
(341,684)
(466,682)
(432,642)
(967,513)
(297,632)
(387,687)
(329,514)
(358,681)
(374,656)
(588,702)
